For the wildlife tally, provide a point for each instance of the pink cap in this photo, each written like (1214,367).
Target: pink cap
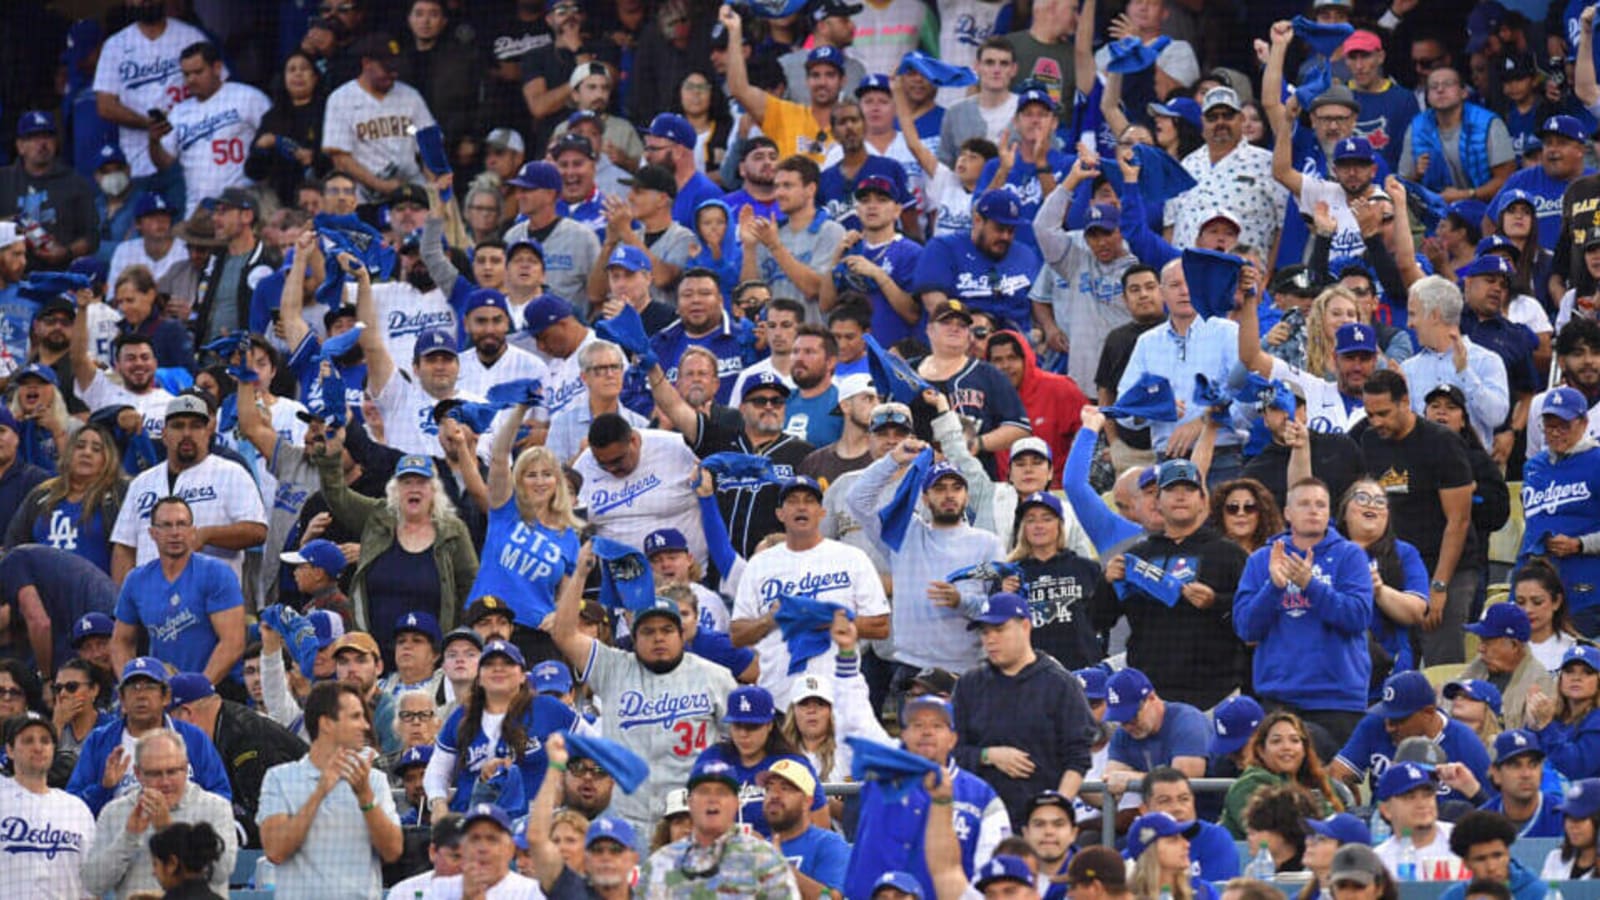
(1362,42)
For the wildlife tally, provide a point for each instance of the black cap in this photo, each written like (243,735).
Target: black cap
(1448,391)
(335,314)
(19,723)
(377,46)
(486,605)
(58,304)
(238,198)
(1298,279)
(461,634)
(448,830)
(1517,65)
(937,681)
(1050,798)
(654,178)
(408,193)
(570,141)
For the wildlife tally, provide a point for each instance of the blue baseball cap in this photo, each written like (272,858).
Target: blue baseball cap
(35,121)
(1493,264)
(1102,217)
(1178,471)
(1504,199)
(677,129)
(1354,337)
(488,812)
(144,667)
(1003,868)
(1183,108)
(941,469)
(706,769)
(435,340)
(1566,403)
(1582,653)
(1566,126)
(750,705)
(629,257)
(1125,693)
(109,155)
(414,465)
(1514,743)
(502,648)
(874,82)
(660,606)
(1000,609)
(1502,620)
(825,55)
(95,624)
(545,311)
(765,381)
(1342,828)
(37,370)
(609,828)
(187,687)
(1581,800)
(928,701)
(1497,243)
(525,243)
(150,204)
(899,881)
(800,483)
(1093,680)
(877,184)
(1001,207)
(1149,828)
(1403,778)
(413,757)
(328,626)
(1232,723)
(1354,149)
(1147,476)
(538,175)
(322,553)
(422,623)
(92,267)
(551,677)
(487,297)
(1404,694)
(1035,94)
(1041,498)
(664,539)
(1474,689)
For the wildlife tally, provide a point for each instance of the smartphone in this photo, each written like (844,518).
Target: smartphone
(156,115)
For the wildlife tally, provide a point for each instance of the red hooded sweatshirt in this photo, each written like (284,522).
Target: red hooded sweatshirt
(1054,404)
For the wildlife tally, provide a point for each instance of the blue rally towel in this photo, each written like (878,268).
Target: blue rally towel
(992,572)
(228,345)
(771,9)
(1325,39)
(1150,398)
(430,145)
(1321,79)
(895,518)
(340,344)
(523,391)
(348,234)
(938,72)
(805,625)
(626,580)
(1262,392)
(1130,54)
(1430,205)
(42,286)
(893,376)
(896,771)
(730,465)
(1213,279)
(1149,578)
(299,634)
(477,416)
(1208,393)
(1160,176)
(620,763)
(325,399)
(626,330)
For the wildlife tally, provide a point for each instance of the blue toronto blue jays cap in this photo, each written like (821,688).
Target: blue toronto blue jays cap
(414,757)
(1474,689)
(1178,471)
(1354,337)
(1566,403)
(422,623)
(629,257)
(941,469)
(322,553)
(1403,778)
(187,687)
(487,297)
(151,204)
(1566,126)
(874,82)
(765,381)
(1582,653)
(825,55)
(1493,264)
(551,677)
(502,648)
(1093,680)
(95,624)
(1581,799)
(750,705)
(1341,827)
(677,129)
(435,340)
(144,667)
(1149,828)
(713,770)
(1509,745)
(489,812)
(899,881)
(35,121)
(1000,206)
(545,311)
(1354,149)
(609,828)
(414,465)
(1404,694)
(1232,723)
(538,175)
(1035,95)
(1103,217)
(664,539)
(1125,693)
(800,483)
(1505,620)
(1000,609)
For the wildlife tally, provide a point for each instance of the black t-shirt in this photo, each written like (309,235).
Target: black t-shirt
(1114,356)
(826,465)
(1578,207)
(1060,591)
(1335,458)
(1412,471)
(749,506)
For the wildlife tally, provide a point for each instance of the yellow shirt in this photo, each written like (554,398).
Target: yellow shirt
(794,129)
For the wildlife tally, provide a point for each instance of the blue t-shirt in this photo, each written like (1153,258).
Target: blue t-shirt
(16,319)
(1184,732)
(1023,180)
(764,209)
(897,257)
(751,794)
(545,716)
(588,213)
(64,529)
(523,564)
(1546,193)
(813,420)
(1371,748)
(718,648)
(697,191)
(177,614)
(836,191)
(820,855)
(954,266)
(69,586)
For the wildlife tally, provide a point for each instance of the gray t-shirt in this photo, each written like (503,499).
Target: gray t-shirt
(570,252)
(813,246)
(1500,151)
(675,246)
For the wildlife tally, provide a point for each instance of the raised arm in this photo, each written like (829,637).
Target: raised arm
(570,640)
(908,129)
(500,486)
(547,864)
(1111,104)
(380,365)
(752,98)
(1583,80)
(1279,115)
(83,367)
(1250,352)
(1405,248)
(253,424)
(672,405)
(1083,55)
(291,303)
(942,849)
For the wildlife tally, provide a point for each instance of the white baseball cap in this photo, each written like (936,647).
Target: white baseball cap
(10,234)
(854,385)
(813,686)
(1031,445)
(677,803)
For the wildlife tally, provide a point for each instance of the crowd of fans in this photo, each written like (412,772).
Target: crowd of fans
(542,448)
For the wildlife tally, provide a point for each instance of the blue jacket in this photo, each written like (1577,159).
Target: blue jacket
(1573,749)
(1547,821)
(891,835)
(1562,496)
(1312,643)
(205,765)
(1473,146)
(1525,885)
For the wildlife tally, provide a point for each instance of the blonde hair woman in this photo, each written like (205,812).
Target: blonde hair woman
(1333,307)
(1160,856)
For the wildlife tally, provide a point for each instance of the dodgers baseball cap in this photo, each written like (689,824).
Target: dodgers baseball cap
(1564,126)
(1354,337)
(824,55)
(1581,800)
(1474,689)
(414,757)
(418,622)
(1492,265)
(1035,94)
(1581,653)
(1509,745)
(1125,693)
(151,204)
(940,470)
(677,129)
(900,881)
(1039,498)
(1341,827)
(1178,471)
(489,812)
(629,257)
(800,483)
(1003,868)
(750,705)
(506,649)
(609,828)
(187,405)
(1232,723)
(1103,217)
(435,340)
(1502,620)
(1404,694)
(532,245)
(664,539)
(1354,149)
(322,553)
(1000,206)
(1498,243)
(95,624)
(143,667)
(935,702)
(1566,403)
(874,82)
(35,121)
(765,381)
(37,370)
(187,687)
(109,155)
(551,677)
(1149,828)
(414,465)
(547,310)
(706,769)
(1403,778)
(538,175)
(1177,108)
(1093,680)
(1000,609)
(487,298)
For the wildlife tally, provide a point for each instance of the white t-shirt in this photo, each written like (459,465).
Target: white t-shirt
(998,119)
(132,253)
(1325,407)
(377,131)
(830,572)
(1525,310)
(212,137)
(1550,650)
(151,404)
(1439,849)
(219,492)
(513,365)
(407,412)
(656,494)
(404,313)
(950,202)
(1347,240)
(511,887)
(44,842)
(764,366)
(144,75)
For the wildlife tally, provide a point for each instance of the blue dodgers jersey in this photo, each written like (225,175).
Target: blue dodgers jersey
(954,266)
(890,835)
(177,614)
(1371,750)
(898,259)
(545,716)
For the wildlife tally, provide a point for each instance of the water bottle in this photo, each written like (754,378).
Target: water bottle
(1551,892)
(266,875)
(1407,869)
(1261,865)
(1380,828)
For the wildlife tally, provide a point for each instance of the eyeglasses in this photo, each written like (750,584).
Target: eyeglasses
(699,87)
(765,401)
(143,686)
(605,369)
(1332,120)
(583,770)
(1239,509)
(155,774)
(416,715)
(11,693)
(68,687)
(1368,498)
(339,191)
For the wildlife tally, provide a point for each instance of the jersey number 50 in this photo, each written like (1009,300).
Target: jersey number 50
(691,738)
(227,150)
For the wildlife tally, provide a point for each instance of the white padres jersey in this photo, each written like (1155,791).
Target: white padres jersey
(830,572)
(152,404)
(144,75)
(404,313)
(378,132)
(656,494)
(219,492)
(44,839)
(212,137)
(667,719)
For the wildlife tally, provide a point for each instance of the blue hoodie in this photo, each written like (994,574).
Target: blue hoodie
(1523,883)
(1311,644)
(205,766)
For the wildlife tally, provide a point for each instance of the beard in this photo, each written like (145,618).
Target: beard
(418,277)
(950,518)
(805,378)
(661,667)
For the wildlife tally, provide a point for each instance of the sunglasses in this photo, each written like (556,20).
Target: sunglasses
(12,693)
(1239,509)
(68,687)
(1220,115)
(1368,498)
(766,401)
(589,770)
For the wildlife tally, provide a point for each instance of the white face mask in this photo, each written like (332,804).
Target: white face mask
(113,183)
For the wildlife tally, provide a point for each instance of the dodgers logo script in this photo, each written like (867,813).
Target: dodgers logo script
(416,323)
(20,836)
(636,710)
(191,494)
(808,585)
(603,500)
